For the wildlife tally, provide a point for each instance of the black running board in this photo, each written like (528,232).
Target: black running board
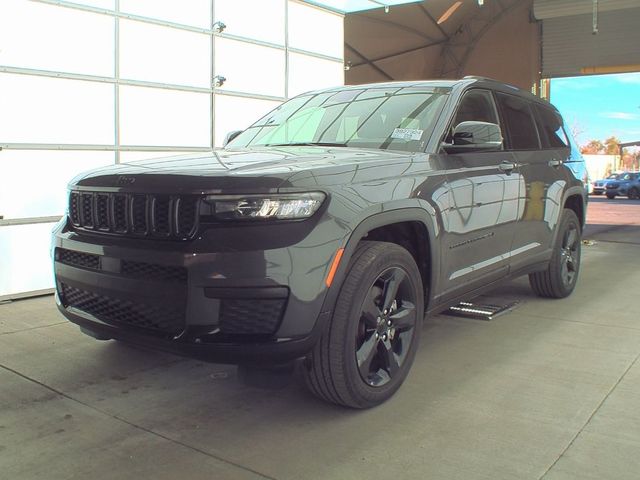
(480,311)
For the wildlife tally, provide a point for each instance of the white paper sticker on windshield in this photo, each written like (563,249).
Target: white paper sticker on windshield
(407,134)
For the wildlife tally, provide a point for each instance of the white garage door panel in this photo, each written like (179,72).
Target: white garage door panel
(51,110)
(31,37)
(266,21)
(162,54)
(154,116)
(26,264)
(186,12)
(309,73)
(47,172)
(569,44)
(250,68)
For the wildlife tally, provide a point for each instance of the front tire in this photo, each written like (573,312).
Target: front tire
(561,276)
(610,196)
(365,353)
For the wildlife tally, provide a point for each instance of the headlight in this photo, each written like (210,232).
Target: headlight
(255,207)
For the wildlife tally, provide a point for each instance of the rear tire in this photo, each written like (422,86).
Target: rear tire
(561,276)
(610,196)
(633,194)
(366,351)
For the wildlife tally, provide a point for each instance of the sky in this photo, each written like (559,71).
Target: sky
(600,106)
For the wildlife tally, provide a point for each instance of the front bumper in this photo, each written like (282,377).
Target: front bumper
(223,304)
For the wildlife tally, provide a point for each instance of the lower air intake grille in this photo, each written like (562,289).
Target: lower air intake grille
(151,271)
(124,312)
(251,316)
(78,259)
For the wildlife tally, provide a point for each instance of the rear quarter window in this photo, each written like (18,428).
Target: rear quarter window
(550,127)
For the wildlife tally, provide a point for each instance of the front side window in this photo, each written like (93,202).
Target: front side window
(388,118)
(520,125)
(477,106)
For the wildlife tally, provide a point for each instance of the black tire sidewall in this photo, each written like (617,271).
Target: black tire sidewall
(389,255)
(569,218)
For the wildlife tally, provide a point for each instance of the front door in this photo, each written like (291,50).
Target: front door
(480,209)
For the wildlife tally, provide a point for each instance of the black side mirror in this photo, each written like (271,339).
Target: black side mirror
(230,136)
(475,137)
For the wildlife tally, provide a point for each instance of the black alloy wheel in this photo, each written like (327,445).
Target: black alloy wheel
(561,275)
(367,350)
(386,327)
(570,255)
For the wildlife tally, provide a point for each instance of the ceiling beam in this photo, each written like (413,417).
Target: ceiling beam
(391,23)
(434,21)
(403,52)
(369,62)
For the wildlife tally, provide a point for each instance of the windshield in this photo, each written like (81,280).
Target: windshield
(398,118)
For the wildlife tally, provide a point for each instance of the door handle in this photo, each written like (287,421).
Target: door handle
(507,167)
(555,163)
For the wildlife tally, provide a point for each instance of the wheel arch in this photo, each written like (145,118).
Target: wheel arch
(575,200)
(392,225)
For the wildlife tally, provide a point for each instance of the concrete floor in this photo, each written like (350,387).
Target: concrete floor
(549,391)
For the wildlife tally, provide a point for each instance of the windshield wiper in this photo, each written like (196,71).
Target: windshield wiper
(306,144)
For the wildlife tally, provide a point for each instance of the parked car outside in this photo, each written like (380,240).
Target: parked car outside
(600,186)
(322,234)
(626,183)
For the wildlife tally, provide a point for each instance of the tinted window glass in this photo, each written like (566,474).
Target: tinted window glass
(393,118)
(550,128)
(476,105)
(519,123)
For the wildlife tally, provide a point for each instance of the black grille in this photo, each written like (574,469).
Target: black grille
(74,209)
(78,259)
(139,218)
(86,210)
(251,316)
(152,271)
(187,214)
(119,311)
(120,203)
(102,211)
(161,208)
(153,216)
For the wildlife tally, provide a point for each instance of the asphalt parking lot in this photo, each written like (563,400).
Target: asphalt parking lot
(550,390)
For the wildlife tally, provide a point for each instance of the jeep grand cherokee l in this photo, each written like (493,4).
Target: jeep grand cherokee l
(327,229)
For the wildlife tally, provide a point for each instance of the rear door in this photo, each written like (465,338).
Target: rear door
(482,207)
(541,148)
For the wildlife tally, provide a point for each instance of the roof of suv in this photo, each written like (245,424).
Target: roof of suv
(469,80)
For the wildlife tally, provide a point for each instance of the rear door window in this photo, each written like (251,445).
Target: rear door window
(521,130)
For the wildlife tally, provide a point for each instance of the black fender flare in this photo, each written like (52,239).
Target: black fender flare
(388,217)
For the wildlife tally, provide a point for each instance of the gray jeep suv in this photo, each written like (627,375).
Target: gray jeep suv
(323,233)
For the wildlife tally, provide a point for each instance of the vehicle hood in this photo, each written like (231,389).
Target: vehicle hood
(242,170)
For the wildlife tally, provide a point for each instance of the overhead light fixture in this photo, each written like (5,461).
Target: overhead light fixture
(481,2)
(450,11)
